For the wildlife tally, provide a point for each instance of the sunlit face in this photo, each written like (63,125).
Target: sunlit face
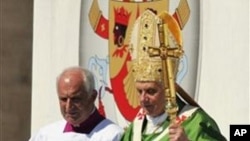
(152,99)
(75,103)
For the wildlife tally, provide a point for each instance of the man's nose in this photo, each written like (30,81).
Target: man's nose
(144,96)
(68,104)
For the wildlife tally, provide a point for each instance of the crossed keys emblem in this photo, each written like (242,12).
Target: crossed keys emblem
(167,55)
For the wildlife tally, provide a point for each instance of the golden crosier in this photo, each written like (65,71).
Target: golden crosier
(156,48)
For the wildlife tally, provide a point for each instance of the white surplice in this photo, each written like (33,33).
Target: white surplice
(106,130)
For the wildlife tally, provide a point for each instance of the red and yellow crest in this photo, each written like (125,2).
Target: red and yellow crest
(117,29)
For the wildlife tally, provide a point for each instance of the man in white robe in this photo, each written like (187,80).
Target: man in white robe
(82,121)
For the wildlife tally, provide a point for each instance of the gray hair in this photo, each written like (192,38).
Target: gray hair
(89,82)
(87,76)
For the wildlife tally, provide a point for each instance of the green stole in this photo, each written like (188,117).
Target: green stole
(186,112)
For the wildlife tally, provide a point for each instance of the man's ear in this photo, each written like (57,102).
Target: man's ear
(94,95)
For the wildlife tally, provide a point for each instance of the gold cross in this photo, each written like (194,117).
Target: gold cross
(166,53)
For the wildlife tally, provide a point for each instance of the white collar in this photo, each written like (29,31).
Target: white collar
(157,120)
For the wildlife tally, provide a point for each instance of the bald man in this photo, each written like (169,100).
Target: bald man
(82,121)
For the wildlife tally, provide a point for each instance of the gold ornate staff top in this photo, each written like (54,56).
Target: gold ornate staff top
(167,53)
(156,48)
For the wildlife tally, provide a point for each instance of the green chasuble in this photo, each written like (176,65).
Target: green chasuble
(199,126)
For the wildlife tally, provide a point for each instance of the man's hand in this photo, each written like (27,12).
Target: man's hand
(177,133)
